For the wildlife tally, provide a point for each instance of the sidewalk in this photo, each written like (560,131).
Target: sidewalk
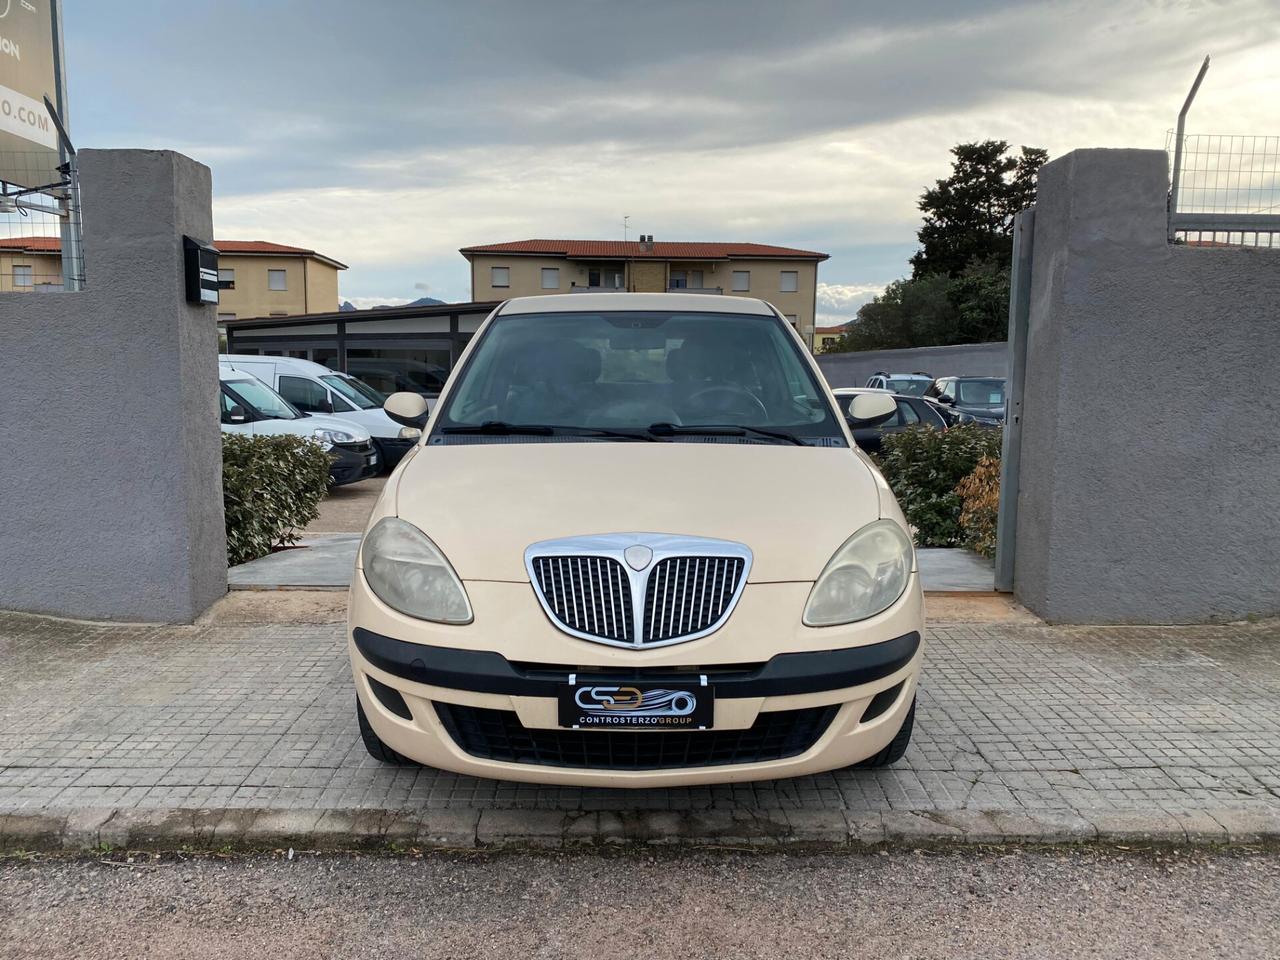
(245,733)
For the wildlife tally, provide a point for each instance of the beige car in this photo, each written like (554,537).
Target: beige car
(636,547)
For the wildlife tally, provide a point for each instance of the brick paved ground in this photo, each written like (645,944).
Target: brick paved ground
(1012,717)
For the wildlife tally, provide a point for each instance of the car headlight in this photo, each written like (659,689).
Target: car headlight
(410,574)
(865,576)
(329,437)
(409,433)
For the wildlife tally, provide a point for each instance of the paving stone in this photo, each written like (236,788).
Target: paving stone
(1138,731)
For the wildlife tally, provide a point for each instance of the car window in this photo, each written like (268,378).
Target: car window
(257,396)
(305,394)
(630,370)
(362,396)
(949,389)
(907,414)
(908,386)
(987,393)
(226,403)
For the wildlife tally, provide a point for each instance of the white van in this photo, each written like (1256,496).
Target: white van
(314,388)
(251,407)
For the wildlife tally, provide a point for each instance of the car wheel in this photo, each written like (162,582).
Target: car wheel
(897,746)
(373,743)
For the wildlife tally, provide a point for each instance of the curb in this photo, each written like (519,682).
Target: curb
(84,829)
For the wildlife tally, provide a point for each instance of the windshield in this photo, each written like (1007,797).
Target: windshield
(981,393)
(910,386)
(362,395)
(260,398)
(652,374)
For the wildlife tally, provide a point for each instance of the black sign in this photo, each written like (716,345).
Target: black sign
(656,705)
(201,262)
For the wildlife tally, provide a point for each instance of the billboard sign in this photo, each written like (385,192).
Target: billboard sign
(28,73)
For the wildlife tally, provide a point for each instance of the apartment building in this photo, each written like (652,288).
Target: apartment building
(784,276)
(256,278)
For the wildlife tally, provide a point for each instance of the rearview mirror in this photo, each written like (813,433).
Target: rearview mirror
(409,409)
(871,409)
(237,414)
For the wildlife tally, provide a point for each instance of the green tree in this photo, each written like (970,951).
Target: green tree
(969,216)
(910,313)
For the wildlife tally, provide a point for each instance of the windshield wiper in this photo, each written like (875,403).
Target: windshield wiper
(500,428)
(728,430)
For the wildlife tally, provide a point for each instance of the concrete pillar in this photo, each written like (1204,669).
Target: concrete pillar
(111,472)
(1150,488)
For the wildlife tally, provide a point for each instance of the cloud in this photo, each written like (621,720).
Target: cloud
(389,135)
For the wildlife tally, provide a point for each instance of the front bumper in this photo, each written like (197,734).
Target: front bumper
(789,700)
(391,450)
(352,462)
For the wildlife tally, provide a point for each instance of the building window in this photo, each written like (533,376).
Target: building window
(790,281)
(793,320)
(223,317)
(679,280)
(22,276)
(499,276)
(276,280)
(550,278)
(226,279)
(695,280)
(741,281)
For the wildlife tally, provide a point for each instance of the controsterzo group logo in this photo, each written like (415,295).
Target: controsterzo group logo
(636,702)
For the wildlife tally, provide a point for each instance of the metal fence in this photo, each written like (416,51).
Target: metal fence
(40,248)
(1226,190)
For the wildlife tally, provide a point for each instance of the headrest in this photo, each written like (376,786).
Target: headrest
(557,362)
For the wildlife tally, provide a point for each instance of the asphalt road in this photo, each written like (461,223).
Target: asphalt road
(1106,902)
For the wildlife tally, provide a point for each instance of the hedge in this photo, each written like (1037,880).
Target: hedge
(271,489)
(924,466)
(980,497)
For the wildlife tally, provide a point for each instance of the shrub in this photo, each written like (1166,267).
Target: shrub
(980,494)
(924,466)
(271,489)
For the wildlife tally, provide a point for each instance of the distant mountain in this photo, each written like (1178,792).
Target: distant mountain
(348,306)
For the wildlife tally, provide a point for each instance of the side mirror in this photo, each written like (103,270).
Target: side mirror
(871,409)
(409,409)
(326,405)
(237,414)
(943,398)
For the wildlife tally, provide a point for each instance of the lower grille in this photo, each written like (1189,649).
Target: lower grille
(499,735)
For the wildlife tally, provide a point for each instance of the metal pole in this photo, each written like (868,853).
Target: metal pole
(1177,144)
(1011,450)
(72,253)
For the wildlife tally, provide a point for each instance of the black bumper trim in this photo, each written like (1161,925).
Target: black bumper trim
(484,671)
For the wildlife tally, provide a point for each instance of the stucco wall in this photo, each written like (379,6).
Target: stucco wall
(962,360)
(1150,486)
(111,485)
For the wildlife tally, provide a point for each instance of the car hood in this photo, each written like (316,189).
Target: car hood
(303,426)
(483,504)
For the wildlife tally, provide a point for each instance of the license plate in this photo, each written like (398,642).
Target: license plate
(637,706)
(373,458)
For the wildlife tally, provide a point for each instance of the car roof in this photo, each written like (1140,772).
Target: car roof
(606,302)
(296,364)
(904,376)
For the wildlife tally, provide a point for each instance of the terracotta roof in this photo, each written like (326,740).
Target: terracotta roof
(658,250)
(251,247)
(829,331)
(32,244)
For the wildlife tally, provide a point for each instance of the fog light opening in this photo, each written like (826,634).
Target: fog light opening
(390,698)
(881,702)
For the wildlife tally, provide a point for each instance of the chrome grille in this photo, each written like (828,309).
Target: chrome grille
(590,595)
(688,595)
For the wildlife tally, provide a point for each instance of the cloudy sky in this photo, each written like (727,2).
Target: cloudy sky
(389,133)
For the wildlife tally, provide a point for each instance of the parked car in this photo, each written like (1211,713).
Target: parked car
(907,384)
(314,388)
(970,399)
(594,570)
(910,412)
(251,407)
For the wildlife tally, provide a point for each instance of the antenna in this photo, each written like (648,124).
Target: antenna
(625,218)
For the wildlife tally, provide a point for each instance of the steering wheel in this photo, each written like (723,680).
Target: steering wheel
(729,401)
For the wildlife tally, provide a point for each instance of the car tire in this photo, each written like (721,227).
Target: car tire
(897,746)
(373,743)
